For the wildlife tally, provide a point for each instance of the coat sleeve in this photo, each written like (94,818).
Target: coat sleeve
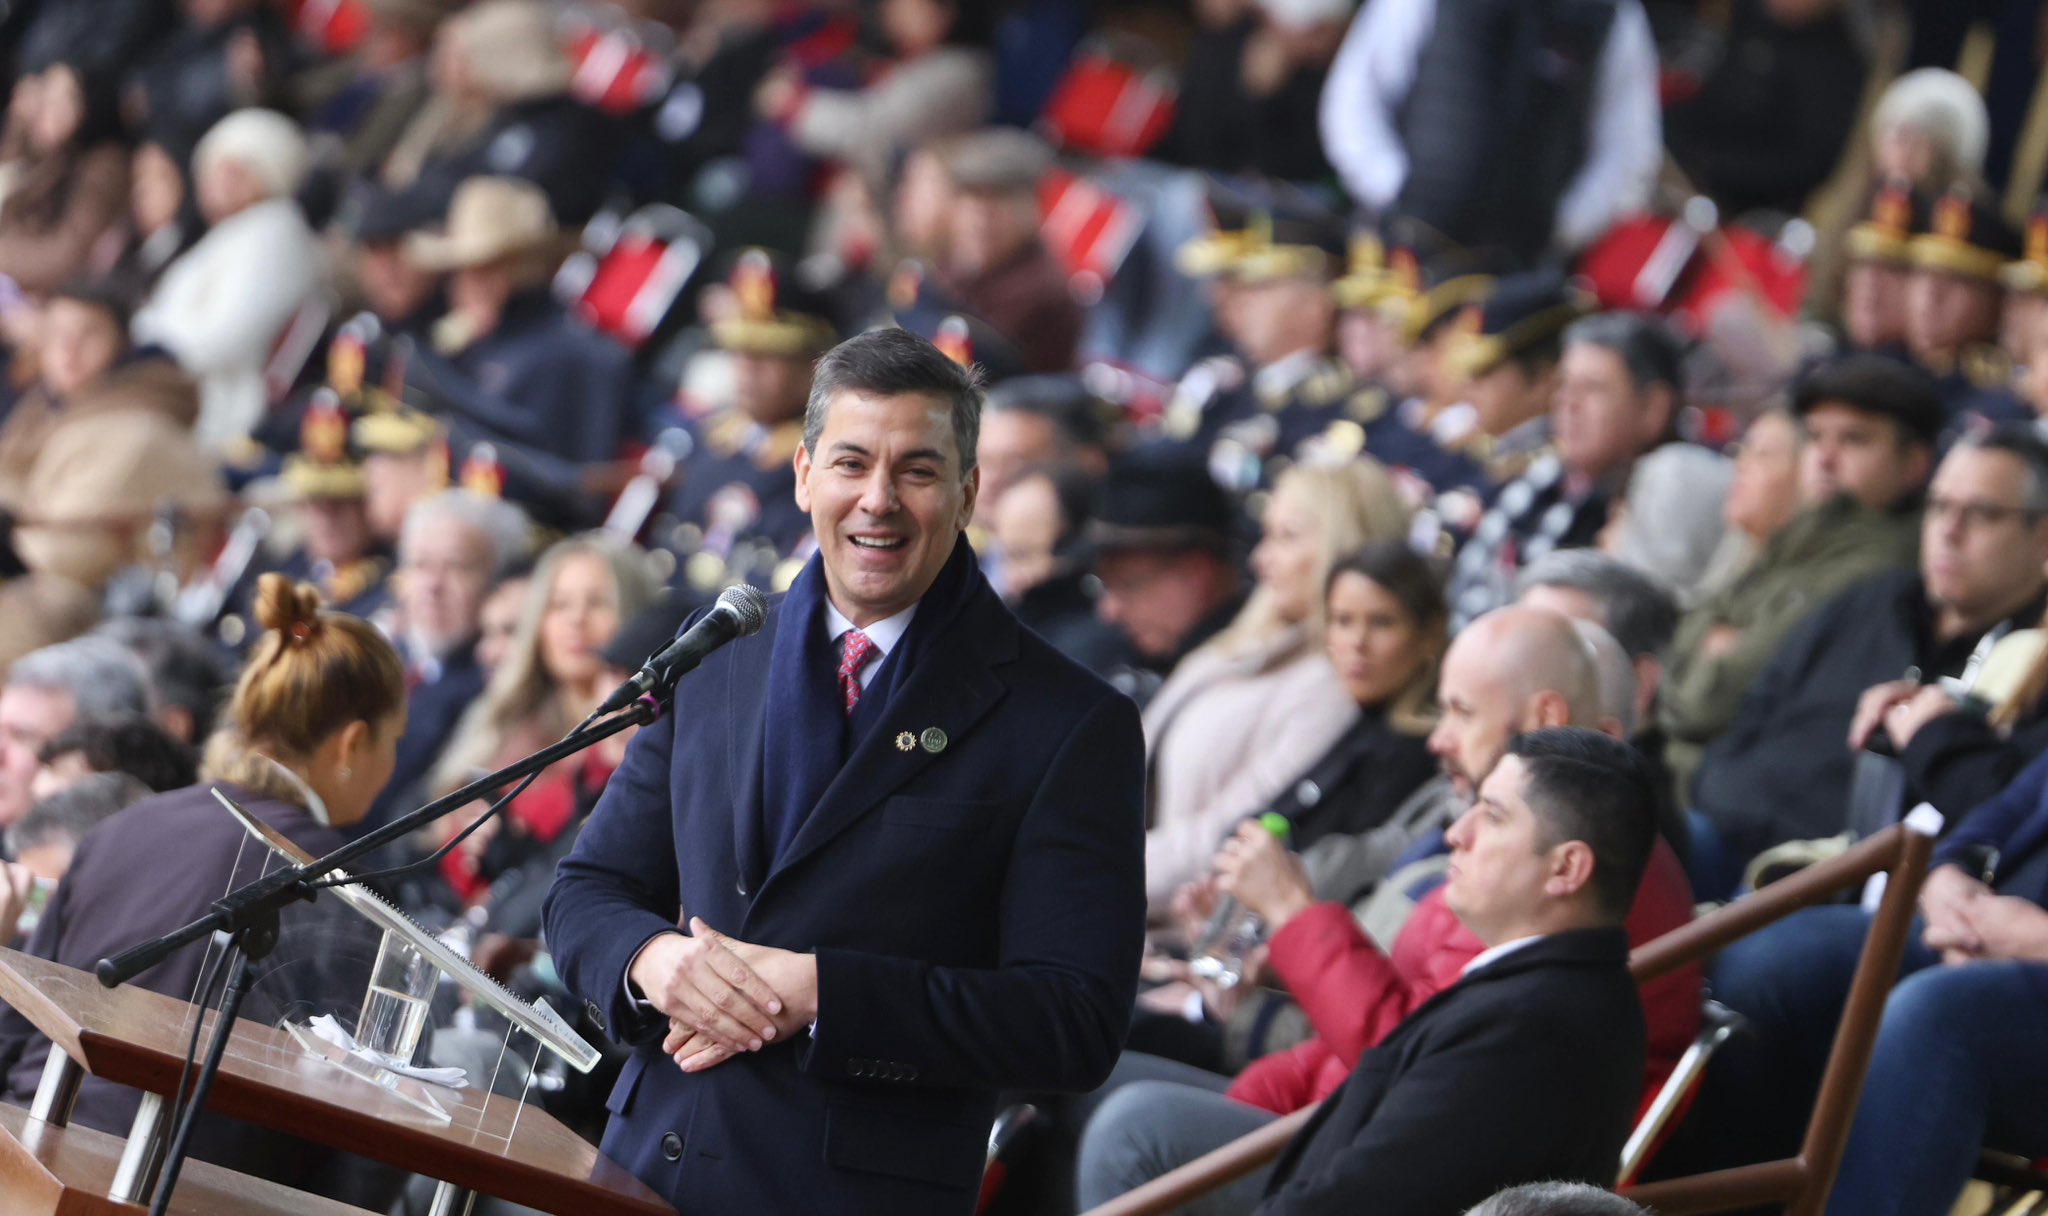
(617,889)
(1353,993)
(1998,821)
(1959,761)
(1052,1013)
(1285,1081)
(1430,1107)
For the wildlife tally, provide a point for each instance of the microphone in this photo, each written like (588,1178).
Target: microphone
(740,611)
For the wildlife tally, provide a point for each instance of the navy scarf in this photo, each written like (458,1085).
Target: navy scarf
(808,735)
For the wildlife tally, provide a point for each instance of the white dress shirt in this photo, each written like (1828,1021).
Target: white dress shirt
(1493,954)
(884,634)
(1375,68)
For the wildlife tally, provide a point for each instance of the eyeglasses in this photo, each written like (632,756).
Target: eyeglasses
(1974,515)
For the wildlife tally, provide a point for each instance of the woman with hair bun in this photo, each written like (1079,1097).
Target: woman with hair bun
(305,744)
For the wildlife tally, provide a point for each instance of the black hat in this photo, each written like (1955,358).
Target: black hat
(778,314)
(966,340)
(653,628)
(1965,237)
(1522,312)
(1874,384)
(1160,503)
(383,216)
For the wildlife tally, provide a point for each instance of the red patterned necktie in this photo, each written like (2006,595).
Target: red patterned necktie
(855,651)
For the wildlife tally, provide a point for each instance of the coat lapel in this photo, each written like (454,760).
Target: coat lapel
(747,706)
(952,688)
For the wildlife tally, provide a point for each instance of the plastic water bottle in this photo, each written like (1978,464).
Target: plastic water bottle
(1234,931)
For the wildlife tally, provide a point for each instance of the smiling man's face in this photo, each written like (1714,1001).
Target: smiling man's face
(886,498)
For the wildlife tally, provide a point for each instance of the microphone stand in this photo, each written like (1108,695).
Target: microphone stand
(249,914)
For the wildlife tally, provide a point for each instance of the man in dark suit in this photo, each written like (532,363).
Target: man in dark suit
(920,826)
(1530,1066)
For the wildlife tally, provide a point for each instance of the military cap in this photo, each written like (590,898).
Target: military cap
(321,468)
(1521,312)
(1965,237)
(2030,272)
(777,314)
(1895,215)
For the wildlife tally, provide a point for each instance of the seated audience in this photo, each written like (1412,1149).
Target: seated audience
(1781,771)
(1668,522)
(162,219)
(938,81)
(1241,716)
(133,746)
(1036,421)
(1165,550)
(221,56)
(994,262)
(1869,425)
(306,744)
(1262,66)
(363,100)
(1956,1068)
(508,364)
(582,591)
(1617,399)
(1037,527)
(1764,494)
(86,369)
(498,619)
(221,305)
(1549,858)
(45,693)
(453,546)
(189,676)
(501,106)
(47,837)
(72,185)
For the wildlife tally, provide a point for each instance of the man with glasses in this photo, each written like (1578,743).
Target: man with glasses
(1782,771)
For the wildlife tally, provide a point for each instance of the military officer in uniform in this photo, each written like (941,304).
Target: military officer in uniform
(1505,351)
(404,457)
(1952,310)
(733,504)
(1874,282)
(2026,290)
(339,554)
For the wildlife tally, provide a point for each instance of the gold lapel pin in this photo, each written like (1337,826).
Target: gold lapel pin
(905,741)
(934,740)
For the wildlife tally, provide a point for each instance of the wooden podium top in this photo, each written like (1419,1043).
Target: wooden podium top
(135,1037)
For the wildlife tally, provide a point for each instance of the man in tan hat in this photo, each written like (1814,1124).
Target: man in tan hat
(994,262)
(508,365)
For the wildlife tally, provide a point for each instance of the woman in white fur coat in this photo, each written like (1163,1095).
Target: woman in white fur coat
(220,308)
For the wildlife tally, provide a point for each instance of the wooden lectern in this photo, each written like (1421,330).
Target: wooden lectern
(130,1036)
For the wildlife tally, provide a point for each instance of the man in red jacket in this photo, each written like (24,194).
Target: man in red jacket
(1514,670)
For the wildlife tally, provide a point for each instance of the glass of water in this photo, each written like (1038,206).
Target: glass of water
(395,1007)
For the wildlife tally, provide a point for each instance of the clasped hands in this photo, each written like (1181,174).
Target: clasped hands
(723,997)
(1967,921)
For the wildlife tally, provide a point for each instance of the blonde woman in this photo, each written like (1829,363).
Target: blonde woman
(1245,714)
(583,590)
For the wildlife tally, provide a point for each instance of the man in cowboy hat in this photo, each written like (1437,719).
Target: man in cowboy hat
(507,364)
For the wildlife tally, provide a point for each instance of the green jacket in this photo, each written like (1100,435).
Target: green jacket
(1818,554)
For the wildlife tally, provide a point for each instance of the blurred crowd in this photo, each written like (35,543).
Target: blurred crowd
(1366,385)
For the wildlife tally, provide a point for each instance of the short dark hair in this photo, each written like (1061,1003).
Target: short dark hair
(185,668)
(1402,573)
(892,362)
(1872,384)
(1637,609)
(1648,348)
(1582,785)
(1558,1199)
(67,815)
(132,745)
(106,297)
(2019,442)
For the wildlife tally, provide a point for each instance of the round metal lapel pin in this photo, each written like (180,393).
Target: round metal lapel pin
(905,741)
(933,739)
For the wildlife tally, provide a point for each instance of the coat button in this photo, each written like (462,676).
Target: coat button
(671,1146)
